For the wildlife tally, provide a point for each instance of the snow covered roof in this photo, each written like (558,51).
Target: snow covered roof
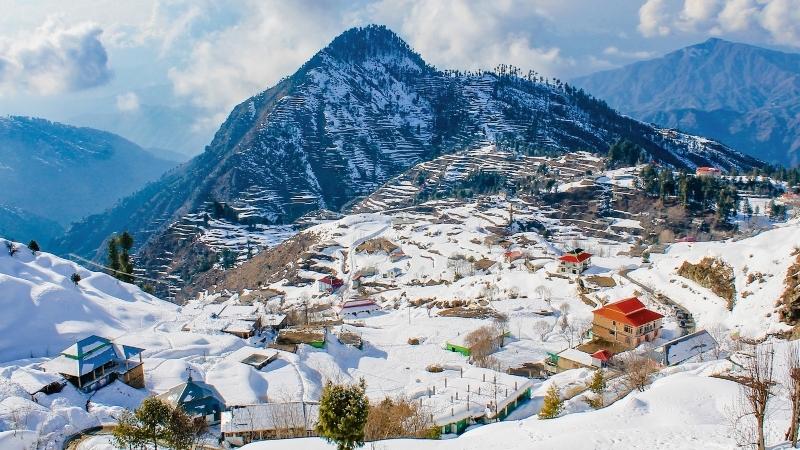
(686,347)
(470,393)
(88,354)
(272,320)
(33,380)
(189,391)
(580,357)
(270,416)
(356,306)
(628,310)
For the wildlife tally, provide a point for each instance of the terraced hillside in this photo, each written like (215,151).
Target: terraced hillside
(361,111)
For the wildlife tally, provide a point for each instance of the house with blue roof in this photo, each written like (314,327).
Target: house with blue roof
(198,399)
(95,361)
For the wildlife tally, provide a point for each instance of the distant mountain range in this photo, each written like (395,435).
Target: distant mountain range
(744,96)
(52,174)
(361,111)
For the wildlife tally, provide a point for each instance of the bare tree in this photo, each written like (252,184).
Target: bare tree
(541,328)
(638,371)
(481,343)
(543,293)
(757,388)
(793,390)
(720,334)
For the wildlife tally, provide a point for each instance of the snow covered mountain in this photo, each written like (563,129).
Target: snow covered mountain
(361,111)
(64,173)
(745,96)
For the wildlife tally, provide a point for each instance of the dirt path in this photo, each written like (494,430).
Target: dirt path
(682,315)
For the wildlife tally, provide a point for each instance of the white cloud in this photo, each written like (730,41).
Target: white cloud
(628,54)
(654,18)
(54,58)
(128,101)
(778,21)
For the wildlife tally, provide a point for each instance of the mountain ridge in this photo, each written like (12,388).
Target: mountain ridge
(743,95)
(362,110)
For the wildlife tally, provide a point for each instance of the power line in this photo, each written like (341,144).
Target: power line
(86,261)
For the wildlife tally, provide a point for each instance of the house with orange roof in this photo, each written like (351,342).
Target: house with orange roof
(626,322)
(574,262)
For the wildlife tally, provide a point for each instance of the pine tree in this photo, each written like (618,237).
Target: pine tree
(598,383)
(125,241)
(113,256)
(75,278)
(552,405)
(343,413)
(158,423)
(33,246)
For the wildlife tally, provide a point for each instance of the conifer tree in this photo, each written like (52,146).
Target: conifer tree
(343,413)
(33,246)
(113,256)
(598,383)
(552,405)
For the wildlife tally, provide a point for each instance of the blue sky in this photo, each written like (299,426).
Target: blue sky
(77,61)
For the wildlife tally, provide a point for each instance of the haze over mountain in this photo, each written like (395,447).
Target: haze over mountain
(63,173)
(745,96)
(361,111)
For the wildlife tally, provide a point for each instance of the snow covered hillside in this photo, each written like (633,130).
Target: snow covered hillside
(759,266)
(44,311)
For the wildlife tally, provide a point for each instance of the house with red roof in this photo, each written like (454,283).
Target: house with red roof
(330,284)
(712,172)
(626,322)
(574,262)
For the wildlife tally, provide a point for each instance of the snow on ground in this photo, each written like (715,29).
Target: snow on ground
(766,257)
(44,311)
(682,410)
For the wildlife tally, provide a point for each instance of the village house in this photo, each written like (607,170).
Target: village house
(198,399)
(94,362)
(37,381)
(329,284)
(273,321)
(512,255)
(354,307)
(458,399)
(243,321)
(397,254)
(685,347)
(241,426)
(626,322)
(712,172)
(574,262)
(458,344)
(571,358)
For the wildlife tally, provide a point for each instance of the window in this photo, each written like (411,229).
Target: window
(628,329)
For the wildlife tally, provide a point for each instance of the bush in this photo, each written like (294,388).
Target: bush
(75,278)
(714,274)
(398,418)
(598,383)
(33,246)
(343,411)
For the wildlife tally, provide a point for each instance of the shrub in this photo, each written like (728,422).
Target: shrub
(343,411)
(33,246)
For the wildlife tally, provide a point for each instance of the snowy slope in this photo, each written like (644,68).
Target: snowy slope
(753,313)
(44,312)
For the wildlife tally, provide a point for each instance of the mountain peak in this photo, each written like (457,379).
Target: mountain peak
(360,43)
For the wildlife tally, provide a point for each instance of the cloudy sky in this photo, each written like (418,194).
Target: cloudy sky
(79,61)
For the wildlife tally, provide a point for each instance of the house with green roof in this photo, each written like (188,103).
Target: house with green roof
(198,399)
(95,361)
